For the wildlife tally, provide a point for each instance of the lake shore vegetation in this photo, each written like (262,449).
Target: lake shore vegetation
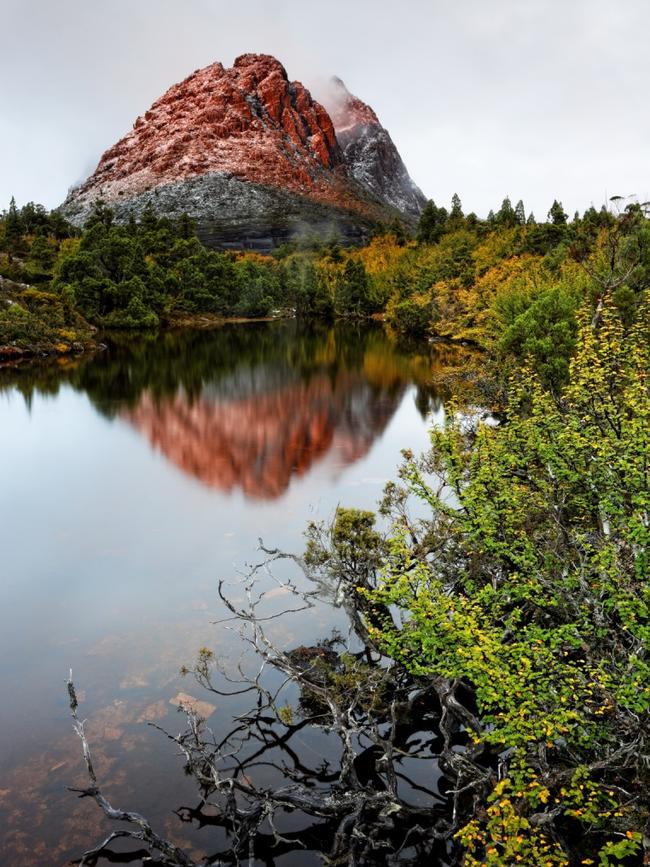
(508,285)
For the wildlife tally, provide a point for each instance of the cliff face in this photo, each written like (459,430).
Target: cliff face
(248,154)
(370,153)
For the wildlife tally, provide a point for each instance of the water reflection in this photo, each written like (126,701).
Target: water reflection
(110,555)
(250,408)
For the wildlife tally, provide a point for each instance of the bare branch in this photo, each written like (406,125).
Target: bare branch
(170,853)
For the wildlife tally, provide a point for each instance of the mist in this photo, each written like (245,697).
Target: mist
(535,99)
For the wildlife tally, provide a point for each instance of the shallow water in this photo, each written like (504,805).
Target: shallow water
(129,484)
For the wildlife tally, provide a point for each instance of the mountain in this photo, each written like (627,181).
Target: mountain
(369,151)
(254,159)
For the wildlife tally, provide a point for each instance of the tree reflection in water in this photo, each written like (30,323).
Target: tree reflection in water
(249,407)
(369,791)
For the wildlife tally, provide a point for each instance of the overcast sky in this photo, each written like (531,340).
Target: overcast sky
(536,99)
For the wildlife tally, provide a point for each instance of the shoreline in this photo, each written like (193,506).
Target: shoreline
(13,352)
(10,352)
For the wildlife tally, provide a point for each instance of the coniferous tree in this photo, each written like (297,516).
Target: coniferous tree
(14,228)
(556,214)
(352,290)
(506,215)
(456,216)
(396,228)
(432,223)
(520,213)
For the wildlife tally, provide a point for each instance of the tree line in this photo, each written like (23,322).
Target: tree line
(507,284)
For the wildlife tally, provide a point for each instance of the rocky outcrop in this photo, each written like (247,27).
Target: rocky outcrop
(248,154)
(233,213)
(369,151)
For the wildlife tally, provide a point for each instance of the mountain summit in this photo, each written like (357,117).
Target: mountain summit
(254,159)
(369,151)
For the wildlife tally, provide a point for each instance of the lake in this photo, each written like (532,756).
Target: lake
(130,483)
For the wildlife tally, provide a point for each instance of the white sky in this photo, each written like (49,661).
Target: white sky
(536,99)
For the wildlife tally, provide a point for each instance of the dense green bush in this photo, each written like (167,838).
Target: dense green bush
(19,325)
(520,594)
(544,332)
(412,316)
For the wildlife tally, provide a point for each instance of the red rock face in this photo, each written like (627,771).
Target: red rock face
(346,110)
(249,122)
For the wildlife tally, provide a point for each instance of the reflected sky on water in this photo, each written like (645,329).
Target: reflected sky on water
(129,484)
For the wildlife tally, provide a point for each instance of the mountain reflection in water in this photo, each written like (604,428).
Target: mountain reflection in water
(259,442)
(280,409)
(251,408)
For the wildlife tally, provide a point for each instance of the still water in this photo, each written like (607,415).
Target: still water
(130,483)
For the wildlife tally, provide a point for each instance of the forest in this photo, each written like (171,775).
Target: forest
(508,284)
(498,598)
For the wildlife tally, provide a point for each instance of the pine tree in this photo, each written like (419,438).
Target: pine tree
(396,228)
(556,214)
(456,216)
(520,213)
(14,228)
(432,223)
(506,215)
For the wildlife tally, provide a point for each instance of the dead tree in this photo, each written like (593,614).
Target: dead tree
(366,808)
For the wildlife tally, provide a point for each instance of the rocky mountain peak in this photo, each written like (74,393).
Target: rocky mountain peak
(259,67)
(369,151)
(249,121)
(347,111)
(250,155)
